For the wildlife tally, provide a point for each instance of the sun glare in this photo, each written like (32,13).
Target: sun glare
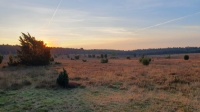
(49,44)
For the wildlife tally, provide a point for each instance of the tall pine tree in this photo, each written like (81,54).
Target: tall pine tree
(32,51)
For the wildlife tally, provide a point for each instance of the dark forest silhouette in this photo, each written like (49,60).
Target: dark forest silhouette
(12,49)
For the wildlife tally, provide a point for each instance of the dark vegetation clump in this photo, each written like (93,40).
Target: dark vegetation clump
(63,79)
(145,61)
(1,59)
(13,61)
(104,56)
(84,60)
(186,57)
(77,57)
(89,56)
(57,63)
(104,60)
(33,52)
(128,58)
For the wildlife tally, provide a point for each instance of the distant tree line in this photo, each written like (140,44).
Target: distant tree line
(9,49)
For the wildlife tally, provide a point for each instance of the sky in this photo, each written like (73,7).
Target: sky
(103,24)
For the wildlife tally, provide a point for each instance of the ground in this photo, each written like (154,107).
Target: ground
(166,85)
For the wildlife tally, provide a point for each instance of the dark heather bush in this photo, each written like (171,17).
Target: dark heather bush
(149,59)
(128,57)
(77,57)
(186,57)
(63,79)
(89,56)
(84,60)
(146,61)
(13,61)
(104,60)
(1,59)
(32,51)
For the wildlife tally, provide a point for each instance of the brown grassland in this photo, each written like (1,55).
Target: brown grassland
(121,85)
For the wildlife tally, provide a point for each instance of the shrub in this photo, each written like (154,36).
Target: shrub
(149,59)
(1,59)
(84,60)
(186,57)
(104,60)
(13,61)
(145,61)
(57,63)
(77,57)
(89,56)
(63,79)
(32,51)
(128,57)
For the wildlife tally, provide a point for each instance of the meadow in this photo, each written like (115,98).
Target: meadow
(121,85)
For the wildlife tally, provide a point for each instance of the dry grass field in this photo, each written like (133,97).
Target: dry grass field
(166,85)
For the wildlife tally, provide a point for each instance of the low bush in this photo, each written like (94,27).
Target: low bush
(84,60)
(63,79)
(57,63)
(89,56)
(128,58)
(12,61)
(104,60)
(77,57)
(186,57)
(145,61)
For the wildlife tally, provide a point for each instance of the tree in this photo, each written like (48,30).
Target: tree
(32,51)
(63,79)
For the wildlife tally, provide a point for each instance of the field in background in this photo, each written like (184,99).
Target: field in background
(166,85)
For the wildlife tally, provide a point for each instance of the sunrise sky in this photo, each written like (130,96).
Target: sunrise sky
(103,24)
